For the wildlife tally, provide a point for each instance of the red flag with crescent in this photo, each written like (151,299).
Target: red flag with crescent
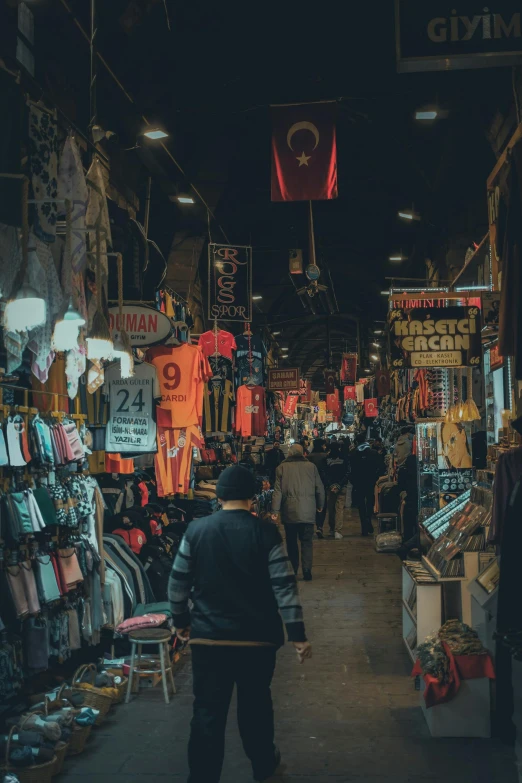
(304,152)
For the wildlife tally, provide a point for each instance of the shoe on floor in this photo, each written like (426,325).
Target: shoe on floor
(307,576)
(338,536)
(277,762)
(319,534)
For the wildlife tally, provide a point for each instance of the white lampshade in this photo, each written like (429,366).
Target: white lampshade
(99,348)
(124,354)
(65,335)
(27,311)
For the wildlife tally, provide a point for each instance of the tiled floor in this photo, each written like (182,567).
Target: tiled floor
(349,714)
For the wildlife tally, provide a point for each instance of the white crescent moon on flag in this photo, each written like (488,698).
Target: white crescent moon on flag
(309,126)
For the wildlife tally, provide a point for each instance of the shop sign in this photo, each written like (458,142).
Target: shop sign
(230,282)
(144,325)
(496,361)
(435,36)
(283,380)
(433,337)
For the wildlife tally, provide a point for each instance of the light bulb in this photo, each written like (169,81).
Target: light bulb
(65,336)
(26,312)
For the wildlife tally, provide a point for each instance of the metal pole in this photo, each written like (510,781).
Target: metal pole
(147,207)
(93,108)
(311,233)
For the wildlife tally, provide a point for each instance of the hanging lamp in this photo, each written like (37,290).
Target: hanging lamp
(67,329)
(99,342)
(26,310)
(122,346)
(472,412)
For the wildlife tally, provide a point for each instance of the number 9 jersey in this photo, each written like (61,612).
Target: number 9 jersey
(131,427)
(182,372)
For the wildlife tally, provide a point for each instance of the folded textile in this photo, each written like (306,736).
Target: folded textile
(137,623)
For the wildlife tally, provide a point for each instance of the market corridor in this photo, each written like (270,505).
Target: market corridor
(349,714)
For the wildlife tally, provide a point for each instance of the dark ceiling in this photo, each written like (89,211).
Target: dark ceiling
(210,79)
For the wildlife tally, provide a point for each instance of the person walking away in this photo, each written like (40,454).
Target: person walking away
(319,457)
(273,459)
(236,569)
(365,470)
(336,479)
(299,496)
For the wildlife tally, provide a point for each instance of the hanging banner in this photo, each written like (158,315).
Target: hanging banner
(348,369)
(433,337)
(434,36)
(330,378)
(144,325)
(382,381)
(283,380)
(371,408)
(304,152)
(290,405)
(230,282)
(349,393)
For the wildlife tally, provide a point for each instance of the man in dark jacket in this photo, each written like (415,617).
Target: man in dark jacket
(239,573)
(299,496)
(335,481)
(273,459)
(365,470)
(318,457)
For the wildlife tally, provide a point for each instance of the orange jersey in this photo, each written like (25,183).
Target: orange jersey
(182,372)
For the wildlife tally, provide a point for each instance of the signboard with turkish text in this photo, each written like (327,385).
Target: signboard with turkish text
(433,35)
(230,282)
(144,325)
(433,337)
(283,380)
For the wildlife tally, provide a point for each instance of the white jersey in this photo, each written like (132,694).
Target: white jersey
(131,428)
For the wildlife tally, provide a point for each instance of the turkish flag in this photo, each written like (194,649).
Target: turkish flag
(330,377)
(371,409)
(304,152)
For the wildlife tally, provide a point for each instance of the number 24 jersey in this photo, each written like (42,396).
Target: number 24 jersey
(131,428)
(182,372)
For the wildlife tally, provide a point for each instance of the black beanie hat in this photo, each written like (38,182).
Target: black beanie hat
(236,483)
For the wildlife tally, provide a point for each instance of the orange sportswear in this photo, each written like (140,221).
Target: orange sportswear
(182,371)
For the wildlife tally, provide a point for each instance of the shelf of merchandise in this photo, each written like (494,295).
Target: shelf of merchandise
(428,615)
(471,571)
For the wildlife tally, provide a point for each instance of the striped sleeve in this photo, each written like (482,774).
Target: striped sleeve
(180,585)
(284,586)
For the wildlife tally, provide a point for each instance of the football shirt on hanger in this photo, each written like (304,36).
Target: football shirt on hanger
(182,372)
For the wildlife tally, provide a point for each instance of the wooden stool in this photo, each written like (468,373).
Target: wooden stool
(161,637)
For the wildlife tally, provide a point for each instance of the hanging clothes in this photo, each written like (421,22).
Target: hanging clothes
(250,355)
(251,411)
(43,165)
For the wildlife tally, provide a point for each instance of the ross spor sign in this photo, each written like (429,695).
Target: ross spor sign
(434,35)
(432,337)
(144,325)
(229,282)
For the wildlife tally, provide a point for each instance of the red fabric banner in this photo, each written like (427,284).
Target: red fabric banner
(304,152)
(290,404)
(349,393)
(462,667)
(330,377)
(371,408)
(349,369)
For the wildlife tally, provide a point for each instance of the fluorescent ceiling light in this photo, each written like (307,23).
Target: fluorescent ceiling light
(155,133)
(374,357)
(426,115)
(376,345)
(257,297)
(385,293)
(377,331)
(186,200)
(397,258)
(275,333)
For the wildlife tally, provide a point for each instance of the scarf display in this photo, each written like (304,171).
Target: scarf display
(43,165)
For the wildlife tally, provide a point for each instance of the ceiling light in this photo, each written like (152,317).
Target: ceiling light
(376,345)
(275,333)
(385,293)
(256,297)
(67,329)
(377,331)
(374,357)
(426,115)
(26,311)
(185,200)
(397,257)
(366,370)
(99,343)
(155,133)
